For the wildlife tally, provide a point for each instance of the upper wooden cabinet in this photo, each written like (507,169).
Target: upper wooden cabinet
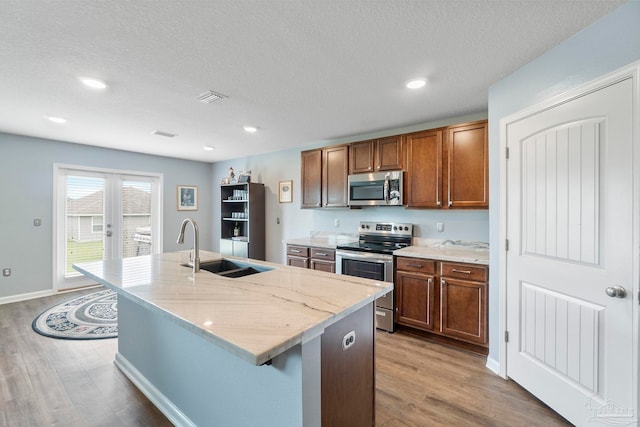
(324,174)
(424,169)
(311,179)
(468,166)
(448,168)
(376,155)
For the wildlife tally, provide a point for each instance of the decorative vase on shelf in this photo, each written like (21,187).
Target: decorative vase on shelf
(236,230)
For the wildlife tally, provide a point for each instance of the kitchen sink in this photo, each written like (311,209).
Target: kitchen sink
(231,268)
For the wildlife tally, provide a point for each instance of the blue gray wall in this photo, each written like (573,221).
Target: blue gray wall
(26,185)
(610,43)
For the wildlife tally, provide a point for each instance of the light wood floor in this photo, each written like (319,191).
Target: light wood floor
(51,382)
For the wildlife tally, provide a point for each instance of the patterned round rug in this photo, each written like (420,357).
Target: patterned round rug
(91,316)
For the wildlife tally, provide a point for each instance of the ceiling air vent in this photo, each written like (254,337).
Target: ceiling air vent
(210,96)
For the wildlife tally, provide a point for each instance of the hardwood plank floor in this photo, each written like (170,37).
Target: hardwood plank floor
(51,382)
(423,383)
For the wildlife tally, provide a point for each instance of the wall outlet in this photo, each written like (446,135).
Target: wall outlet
(439,227)
(336,222)
(348,340)
(6,272)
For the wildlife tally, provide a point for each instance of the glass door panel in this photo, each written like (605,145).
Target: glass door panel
(84,221)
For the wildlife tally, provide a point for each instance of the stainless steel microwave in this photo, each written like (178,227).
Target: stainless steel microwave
(376,189)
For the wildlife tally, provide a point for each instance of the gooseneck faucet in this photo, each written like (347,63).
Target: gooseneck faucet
(196,245)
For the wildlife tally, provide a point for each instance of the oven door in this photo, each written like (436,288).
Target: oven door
(371,266)
(365,264)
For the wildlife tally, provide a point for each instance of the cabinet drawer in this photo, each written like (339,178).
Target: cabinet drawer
(464,271)
(325,254)
(301,251)
(417,265)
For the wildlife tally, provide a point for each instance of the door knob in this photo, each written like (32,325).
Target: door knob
(108,233)
(616,291)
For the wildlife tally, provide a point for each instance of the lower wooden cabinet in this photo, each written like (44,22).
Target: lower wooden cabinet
(443,298)
(310,257)
(415,296)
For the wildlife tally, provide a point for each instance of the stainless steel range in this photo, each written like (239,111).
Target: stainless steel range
(372,257)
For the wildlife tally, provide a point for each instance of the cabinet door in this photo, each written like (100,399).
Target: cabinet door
(335,168)
(327,266)
(311,178)
(424,169)
(415,300)
(295,261)
(389,153)
(468,166)
(463,307)
(361,157)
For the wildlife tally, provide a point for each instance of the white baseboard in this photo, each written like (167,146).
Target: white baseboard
(153,394)
(25,297)
(493,365)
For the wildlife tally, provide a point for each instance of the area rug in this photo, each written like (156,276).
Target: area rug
(91,316)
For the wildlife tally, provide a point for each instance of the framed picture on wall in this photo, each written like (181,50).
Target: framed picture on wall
(187,197)
(285,194)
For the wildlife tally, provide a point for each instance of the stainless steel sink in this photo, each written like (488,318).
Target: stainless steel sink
(231,268)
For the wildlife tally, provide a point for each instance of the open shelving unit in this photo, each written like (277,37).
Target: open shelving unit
(242,209)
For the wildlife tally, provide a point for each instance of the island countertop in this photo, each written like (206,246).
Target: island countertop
(255,317)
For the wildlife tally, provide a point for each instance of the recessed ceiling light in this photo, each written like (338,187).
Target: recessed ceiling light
(93,83)
(250,129)
(208,148)
(55,119)
(416,83)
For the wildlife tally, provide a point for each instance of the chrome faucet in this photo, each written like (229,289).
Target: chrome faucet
(196,245)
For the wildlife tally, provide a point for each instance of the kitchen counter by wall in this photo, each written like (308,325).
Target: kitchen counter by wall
(447,250)
(323,240)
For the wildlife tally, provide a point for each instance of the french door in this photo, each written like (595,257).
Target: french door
(101,215)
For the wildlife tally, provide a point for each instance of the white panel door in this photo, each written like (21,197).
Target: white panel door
(570,206)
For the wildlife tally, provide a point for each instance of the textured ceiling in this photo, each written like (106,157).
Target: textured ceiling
(302,71)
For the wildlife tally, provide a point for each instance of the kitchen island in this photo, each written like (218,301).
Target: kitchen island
(269,349)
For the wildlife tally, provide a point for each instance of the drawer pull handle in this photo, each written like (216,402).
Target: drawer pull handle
(295,251)
(415,265)
(321,254)
(455,270)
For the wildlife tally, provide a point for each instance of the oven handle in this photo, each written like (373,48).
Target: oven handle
(365,256)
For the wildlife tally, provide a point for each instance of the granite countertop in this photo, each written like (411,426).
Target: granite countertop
(325,241)
(455,251)
(255,317)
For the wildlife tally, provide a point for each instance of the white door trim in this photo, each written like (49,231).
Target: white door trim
(630,71)
(57,221)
